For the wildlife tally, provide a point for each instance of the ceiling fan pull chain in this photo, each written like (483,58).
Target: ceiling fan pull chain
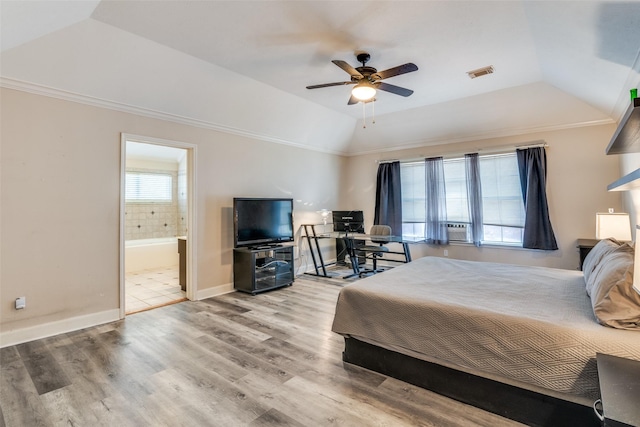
(364,115)
(373,111)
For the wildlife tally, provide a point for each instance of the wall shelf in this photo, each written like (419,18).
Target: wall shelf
(630,181)
(626,139)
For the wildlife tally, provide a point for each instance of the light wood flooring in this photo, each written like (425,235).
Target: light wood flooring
(233,360)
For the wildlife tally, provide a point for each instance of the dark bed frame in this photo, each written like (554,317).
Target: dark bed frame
(525,406)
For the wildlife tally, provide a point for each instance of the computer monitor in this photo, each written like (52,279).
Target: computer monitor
(348,221)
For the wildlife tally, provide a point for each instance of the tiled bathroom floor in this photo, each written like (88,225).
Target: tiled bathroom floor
(152,288)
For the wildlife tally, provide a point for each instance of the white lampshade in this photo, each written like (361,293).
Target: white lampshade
(363,91)
(616,225)
(636,263)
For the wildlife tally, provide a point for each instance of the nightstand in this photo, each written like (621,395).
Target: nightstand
(620,390)
(585,246)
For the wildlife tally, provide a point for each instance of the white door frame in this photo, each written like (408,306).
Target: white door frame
(192,256)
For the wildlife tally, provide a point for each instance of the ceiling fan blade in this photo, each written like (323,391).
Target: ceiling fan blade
(348,68)
(330,84)
(396,71)
(393,89)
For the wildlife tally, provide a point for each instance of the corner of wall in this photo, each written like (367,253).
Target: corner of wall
(214,291)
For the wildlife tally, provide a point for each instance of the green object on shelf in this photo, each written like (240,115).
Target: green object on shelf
(634,94)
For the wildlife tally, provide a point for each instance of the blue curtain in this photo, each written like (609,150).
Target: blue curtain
(538,233)
(436,202)
(474,197)
(388,209)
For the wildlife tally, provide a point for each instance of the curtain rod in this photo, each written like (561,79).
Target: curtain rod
(487,150)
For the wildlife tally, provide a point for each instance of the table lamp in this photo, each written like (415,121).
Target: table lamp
(325,214)
(615,225)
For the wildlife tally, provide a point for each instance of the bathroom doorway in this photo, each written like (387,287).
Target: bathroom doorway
(157,223)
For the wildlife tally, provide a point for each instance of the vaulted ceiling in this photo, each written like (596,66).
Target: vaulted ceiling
(243,66)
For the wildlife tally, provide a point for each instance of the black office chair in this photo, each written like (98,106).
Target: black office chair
(373,252)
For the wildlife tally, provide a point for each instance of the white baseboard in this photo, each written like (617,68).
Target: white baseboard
(215,291)
(22,335)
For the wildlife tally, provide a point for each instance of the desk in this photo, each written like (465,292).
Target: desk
(316,254)
(350,239)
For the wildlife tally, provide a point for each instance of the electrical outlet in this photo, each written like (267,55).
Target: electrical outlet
(446,252)
(21,303)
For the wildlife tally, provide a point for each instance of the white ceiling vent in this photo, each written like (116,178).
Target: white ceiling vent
(480,72)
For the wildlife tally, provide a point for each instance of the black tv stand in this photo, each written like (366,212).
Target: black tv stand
(265,247)
(261,269)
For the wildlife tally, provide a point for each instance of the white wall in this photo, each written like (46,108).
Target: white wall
(578,175)
(58,155)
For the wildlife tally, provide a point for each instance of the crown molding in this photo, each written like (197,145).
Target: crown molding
(408,145)
(405,145)
(65,95)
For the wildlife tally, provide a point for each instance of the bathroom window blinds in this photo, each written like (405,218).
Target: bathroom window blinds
(148,187)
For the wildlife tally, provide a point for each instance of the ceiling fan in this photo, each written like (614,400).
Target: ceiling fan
(367,79)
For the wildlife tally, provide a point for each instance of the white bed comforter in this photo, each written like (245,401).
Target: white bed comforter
(532,327)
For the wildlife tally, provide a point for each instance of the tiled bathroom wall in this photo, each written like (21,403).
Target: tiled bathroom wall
(154,219)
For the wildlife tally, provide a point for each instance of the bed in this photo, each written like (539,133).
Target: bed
(520,341)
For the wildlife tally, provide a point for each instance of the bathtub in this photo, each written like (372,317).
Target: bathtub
(150,253)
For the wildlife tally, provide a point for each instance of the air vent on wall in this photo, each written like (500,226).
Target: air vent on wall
(480,72)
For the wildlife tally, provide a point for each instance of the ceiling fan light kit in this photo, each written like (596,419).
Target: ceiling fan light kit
(364,91)
(368,79)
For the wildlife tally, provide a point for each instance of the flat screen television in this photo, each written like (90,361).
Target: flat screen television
(350,221)
(262,222)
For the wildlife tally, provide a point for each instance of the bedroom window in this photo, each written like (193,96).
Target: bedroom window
(148,187)
(503,208)
(502,205)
